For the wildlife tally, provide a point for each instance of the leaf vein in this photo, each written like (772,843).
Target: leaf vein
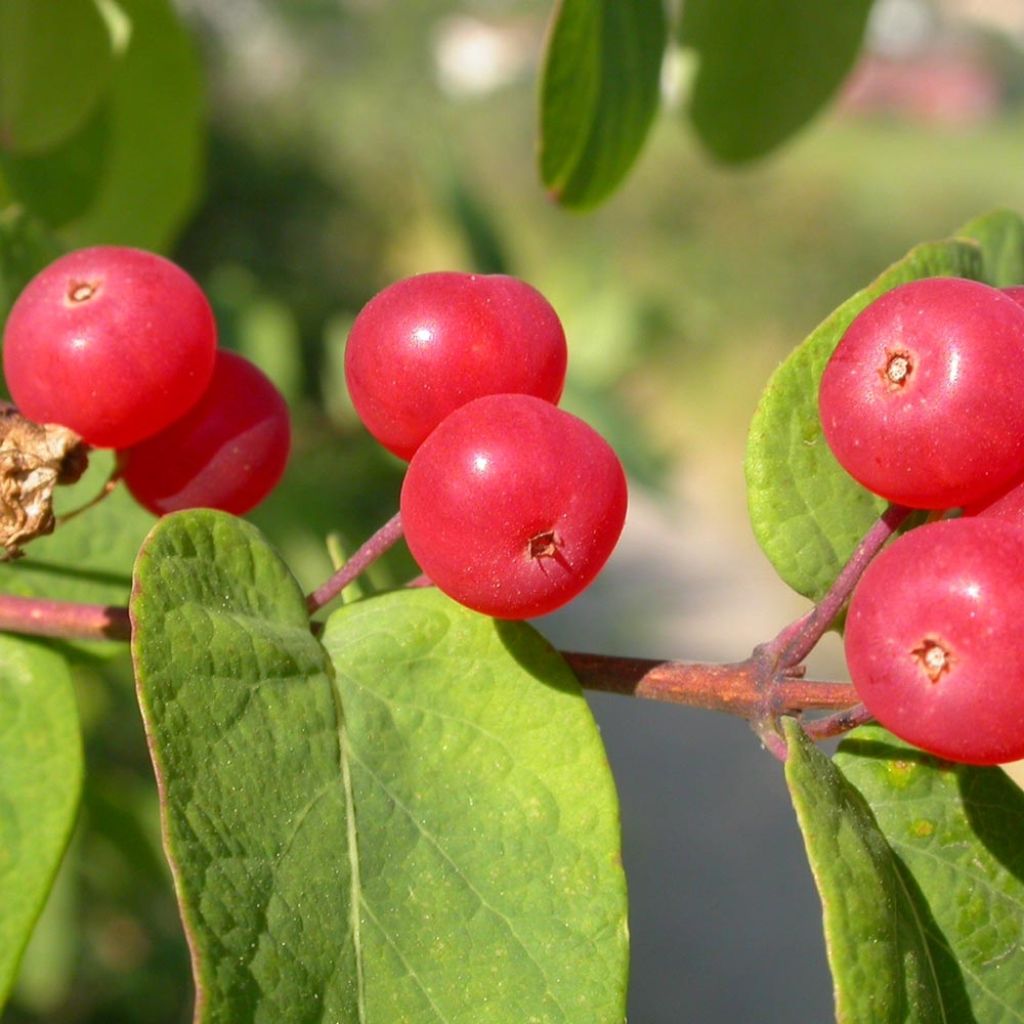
(436,844)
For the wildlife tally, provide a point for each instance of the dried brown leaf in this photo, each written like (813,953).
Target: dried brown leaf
(34,458)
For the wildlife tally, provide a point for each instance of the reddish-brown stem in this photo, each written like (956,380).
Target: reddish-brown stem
(386,537)
(798,639)
(734,688)
(838,723)
(762,688)
(63,619)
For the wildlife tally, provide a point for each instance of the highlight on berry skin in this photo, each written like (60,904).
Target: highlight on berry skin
(923,356)
(512,506)
(933,640)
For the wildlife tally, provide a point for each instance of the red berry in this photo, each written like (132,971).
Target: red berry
(920,401)
(933,639)
(227,452)
(1016,292)
(512,506)
(1007,504)
(114,343)
(428,344)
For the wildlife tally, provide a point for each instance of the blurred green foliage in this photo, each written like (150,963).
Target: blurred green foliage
(346,144)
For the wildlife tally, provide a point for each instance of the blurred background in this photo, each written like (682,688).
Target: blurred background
(352,142)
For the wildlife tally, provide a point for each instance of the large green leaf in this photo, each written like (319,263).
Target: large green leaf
(483,797)
(599,93)
(763,71)
(154,152)
(806,512)
(1000,234)
(55,62)
(885,967)
(958,832)
(40,782)
(444,848)
(61,182)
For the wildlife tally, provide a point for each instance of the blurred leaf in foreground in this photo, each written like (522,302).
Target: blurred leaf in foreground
(763,74)
(153,162)
(599,94)
(55,62)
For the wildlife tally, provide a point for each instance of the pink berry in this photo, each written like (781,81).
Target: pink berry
(1007,504)
(428,344)
(920,401)
(512,506)
(113,343)
(933,639)
(1015,292)
(227,452)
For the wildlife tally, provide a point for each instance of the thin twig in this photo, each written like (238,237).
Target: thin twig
(835,725)
(108,487)
(65,620)
(732,688)
(386,537)
(798,639)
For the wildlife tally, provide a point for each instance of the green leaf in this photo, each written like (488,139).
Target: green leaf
(484,799)
(445,849)
(958,832)
(884,967)
(60,183)
(154,155)
(55,63)
(1001,237)
(806,512)
(598,95)
(763,74)
(40,782)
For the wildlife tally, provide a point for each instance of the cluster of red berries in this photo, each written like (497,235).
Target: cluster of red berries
(923,403)
(510,505)
(120,346)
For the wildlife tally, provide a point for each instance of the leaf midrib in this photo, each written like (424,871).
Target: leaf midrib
(355,882)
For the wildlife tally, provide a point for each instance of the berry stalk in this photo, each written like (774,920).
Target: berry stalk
(798,639)
(384,539)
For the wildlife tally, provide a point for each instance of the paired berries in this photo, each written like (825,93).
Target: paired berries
(510,505)
(921,403)
(120,346)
